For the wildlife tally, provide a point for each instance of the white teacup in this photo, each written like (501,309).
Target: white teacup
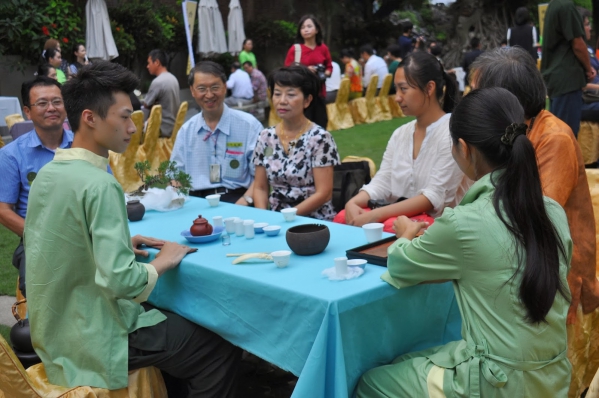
(373,231)
(281,258)
(289,214)
(230,224)
(217,221)
(213,200)
(341,266)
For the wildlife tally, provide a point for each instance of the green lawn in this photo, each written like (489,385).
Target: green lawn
(367,140)
(8,273)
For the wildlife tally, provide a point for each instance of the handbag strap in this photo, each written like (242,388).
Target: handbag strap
(298,53)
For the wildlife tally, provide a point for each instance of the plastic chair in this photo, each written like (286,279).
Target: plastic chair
(363,109)
(12,119)
(383,109)
(371,164)
(16,382)
(273,118)
(338,112)
(165,145)
(147,150)
(122,164)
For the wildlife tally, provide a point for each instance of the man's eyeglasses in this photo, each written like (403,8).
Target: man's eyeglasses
(43,104)
(204,90)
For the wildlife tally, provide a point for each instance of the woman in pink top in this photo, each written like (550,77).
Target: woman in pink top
(313,53)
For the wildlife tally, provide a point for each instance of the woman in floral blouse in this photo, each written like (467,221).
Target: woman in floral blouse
(296,157)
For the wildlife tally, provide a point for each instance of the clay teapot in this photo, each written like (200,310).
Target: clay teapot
(200,227)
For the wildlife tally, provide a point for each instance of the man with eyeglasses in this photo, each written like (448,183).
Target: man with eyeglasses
(216,146)
(21,160)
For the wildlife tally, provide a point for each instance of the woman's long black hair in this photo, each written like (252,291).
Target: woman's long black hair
(420,68)
(482,119)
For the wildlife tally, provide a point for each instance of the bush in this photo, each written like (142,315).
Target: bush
(266,33)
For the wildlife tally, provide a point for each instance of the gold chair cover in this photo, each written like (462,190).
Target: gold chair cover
(394,106)
(148,148)
(273,118)
(12,119)
(383,109)
(122,163)
(22,308)
(338,112)
(16,382)
(363,109)
(138,120)
(583,337)
(165,145)
(588,139)
(1,142)
(371,164)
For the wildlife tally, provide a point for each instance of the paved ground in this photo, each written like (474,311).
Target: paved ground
(6,317)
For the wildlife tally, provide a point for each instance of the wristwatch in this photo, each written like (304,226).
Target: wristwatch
(249,199)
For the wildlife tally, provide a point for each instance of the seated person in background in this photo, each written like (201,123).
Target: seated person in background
(79,58)
(294,160)
(332,83)
(46,70)
(392,57)
(64,65)
(353,71)
(506,248)
(22,159)
(258,81)
(77,225)
(164,90)
(240,85)
(590,107)
(417,174)
(559,160)
(53,58)
(216,146)
(374,65)
(436,49)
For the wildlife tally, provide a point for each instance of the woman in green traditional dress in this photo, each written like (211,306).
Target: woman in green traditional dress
(507,250)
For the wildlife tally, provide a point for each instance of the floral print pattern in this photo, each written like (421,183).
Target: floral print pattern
(290,175)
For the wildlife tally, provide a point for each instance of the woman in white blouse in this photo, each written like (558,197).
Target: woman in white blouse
(418,177)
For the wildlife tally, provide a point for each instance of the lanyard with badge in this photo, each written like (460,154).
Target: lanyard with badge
(215,174)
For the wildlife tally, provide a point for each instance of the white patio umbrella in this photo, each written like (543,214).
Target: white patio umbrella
(99,42)
(235,26)
(210,27)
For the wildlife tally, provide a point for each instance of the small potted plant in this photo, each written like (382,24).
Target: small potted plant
(163,191)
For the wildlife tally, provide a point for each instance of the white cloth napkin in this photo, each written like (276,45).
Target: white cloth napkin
(352,272)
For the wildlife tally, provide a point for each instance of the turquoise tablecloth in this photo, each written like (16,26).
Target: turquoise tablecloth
(327,333)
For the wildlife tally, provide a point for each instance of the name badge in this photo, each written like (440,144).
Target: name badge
(214,173)
(234,144)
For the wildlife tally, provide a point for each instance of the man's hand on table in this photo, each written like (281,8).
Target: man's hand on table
(139,240)
(406,228)
(170,256)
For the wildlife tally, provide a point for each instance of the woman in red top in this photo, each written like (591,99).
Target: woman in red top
(313,53)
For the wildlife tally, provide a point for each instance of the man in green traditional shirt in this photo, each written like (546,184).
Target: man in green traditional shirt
(84,284)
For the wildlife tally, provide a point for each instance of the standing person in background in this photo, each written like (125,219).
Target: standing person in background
(246,54)
(405,40)
(374,65)
(53,58)
(333,82)
(353,70)
(523,33)
(310,51)
(164,91)
(590,109)
(470,57)
(80,58)
(565,66)
(393,57)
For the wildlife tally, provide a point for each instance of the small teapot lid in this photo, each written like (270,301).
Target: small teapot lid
(200,220)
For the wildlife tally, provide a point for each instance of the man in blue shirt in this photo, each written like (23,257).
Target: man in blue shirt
(405,40)
(21,160)
(216,146)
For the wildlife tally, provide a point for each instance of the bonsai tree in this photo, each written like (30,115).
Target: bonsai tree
(167,174)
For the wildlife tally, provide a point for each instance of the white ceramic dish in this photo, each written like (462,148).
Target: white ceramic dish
(259,227)
(272,230)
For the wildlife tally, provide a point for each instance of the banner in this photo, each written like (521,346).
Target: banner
(542,11)
(190,9)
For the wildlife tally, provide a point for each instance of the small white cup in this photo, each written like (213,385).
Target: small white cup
(341,266)
(289,214)
(281,258)
(213,199)
(248,227)
(239,227)
(230,224)
(373,231)
(217,221)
